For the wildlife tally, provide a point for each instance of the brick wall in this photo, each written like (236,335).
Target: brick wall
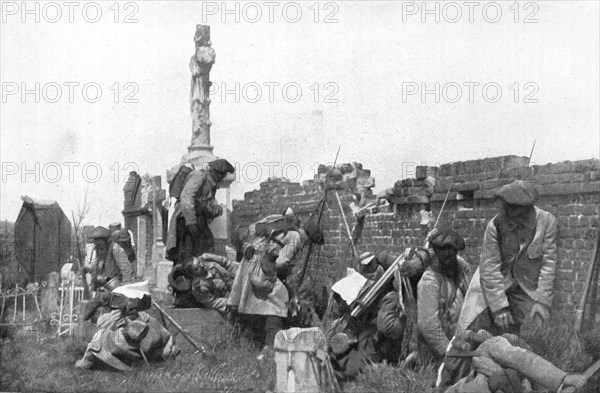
(570,190)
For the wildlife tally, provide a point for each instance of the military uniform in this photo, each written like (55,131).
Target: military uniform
(440,294)
(189,234)
(259,295)
(119,343)
(518,264)
(503,364)
(439,301)
(110,260)
(212,281)
(374,337)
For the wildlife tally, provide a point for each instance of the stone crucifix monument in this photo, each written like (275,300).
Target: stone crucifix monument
(200,150)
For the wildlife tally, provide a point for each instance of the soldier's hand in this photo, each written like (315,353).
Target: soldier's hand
(539,311)
(503,319)
(574,382)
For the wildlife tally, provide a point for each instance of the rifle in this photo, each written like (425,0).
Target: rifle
(199,348)
(311,245)
(369,297)
(593,369)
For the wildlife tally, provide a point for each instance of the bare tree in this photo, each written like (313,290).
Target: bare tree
(82,211)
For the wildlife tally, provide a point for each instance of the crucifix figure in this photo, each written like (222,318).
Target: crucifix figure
(200,66)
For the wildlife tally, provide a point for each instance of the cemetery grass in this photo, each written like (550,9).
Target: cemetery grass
(27,364)
(30,365)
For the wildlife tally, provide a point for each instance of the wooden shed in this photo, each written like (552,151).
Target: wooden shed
(42,239)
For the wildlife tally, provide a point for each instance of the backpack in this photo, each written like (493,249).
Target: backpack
(177,183)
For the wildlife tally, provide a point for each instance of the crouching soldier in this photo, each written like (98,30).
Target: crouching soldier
(373,338)
(127,334)
(377,334)
(260,295)
(108,260)
(440,294)
(203,282)
(504,364)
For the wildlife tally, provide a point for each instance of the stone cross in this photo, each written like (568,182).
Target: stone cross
(200,66)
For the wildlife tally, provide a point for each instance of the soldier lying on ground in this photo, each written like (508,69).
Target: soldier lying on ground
(502,364)
(203,282)
(126,334)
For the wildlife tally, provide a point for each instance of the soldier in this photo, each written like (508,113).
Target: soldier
(505,364)
(376,335)
(260,296)
(515,279)
(126,333)
(514,283)
(110,260)
(440,293)
(204,282)
(123,238)
(189,234)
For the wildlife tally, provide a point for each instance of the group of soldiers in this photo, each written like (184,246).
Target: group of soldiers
(467,324)
(432,310)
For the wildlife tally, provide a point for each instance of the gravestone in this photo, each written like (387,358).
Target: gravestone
(50,295)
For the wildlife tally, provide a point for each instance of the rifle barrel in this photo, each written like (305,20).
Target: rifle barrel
(372,293)
(346,224)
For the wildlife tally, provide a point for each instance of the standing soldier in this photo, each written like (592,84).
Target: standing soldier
(189,234)
(515,279)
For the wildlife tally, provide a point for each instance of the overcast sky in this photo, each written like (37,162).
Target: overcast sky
(360,76)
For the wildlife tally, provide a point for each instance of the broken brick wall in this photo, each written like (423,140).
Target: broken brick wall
(569,190)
